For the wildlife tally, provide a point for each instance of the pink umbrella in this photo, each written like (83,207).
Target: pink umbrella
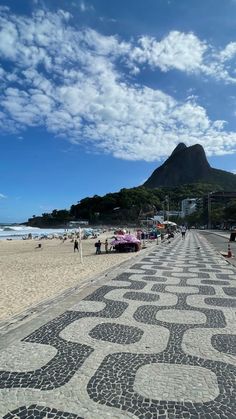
(127,238)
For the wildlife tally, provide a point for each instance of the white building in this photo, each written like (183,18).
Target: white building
(188,206)
(164,215)
(75,224)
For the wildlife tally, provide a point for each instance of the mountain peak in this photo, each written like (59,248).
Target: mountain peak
(188,165)
(179,147)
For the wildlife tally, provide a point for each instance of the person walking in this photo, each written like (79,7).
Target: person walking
(76,245)
(183,231)
(106,246)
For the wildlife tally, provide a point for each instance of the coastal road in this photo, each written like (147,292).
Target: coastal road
(153,340)
(220,241)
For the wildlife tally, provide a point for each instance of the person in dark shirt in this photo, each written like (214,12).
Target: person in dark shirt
(98,247)
(76,245)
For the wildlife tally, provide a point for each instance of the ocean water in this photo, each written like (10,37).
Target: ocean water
(19,232)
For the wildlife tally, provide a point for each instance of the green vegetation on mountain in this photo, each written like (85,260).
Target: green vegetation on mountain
(125,206)
(185,174)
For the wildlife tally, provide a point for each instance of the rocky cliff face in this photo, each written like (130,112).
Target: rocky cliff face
(188,165)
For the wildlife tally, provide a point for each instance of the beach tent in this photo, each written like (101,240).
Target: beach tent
(126,243)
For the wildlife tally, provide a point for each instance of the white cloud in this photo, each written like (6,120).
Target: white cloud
(85,7)
(184,52)
(177,50)
(69,81)
(228,52)
(106,19)
(2,196)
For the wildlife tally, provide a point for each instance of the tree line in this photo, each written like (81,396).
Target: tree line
(132,205)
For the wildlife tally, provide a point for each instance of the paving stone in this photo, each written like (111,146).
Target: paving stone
(156,341)
(224,343)
(116,333)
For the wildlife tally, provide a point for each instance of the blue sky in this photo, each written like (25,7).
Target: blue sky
(96,94)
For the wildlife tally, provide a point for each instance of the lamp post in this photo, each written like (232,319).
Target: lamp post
(163,209)
(209,210)
(167,206)
(80,246)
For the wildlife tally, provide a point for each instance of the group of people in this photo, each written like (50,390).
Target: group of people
(98,245)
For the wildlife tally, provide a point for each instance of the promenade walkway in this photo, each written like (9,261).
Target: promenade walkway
(155,340)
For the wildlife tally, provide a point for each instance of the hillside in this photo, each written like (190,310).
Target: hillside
(189,165)
(123,207)
(186,173)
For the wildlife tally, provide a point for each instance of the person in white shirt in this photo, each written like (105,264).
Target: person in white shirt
(183,231)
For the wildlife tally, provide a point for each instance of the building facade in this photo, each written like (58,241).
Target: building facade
(188,206)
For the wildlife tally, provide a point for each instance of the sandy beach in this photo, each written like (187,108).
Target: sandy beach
(30,275)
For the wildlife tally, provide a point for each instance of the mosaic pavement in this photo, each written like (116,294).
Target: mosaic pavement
(157,341)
